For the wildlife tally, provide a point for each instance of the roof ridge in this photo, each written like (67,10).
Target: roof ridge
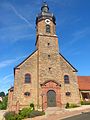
(25,59)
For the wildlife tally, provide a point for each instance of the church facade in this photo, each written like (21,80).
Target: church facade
(44,78)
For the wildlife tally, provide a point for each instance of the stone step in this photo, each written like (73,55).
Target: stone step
(53,110)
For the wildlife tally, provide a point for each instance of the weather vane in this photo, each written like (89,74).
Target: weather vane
(43,1)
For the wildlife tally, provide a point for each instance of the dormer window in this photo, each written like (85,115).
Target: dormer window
(47,28)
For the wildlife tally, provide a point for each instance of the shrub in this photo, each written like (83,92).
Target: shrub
(24,112)
(67,105)
(32,106)
(18,117)
(72,105)
(3,104)
(85,102)
(36,113)
(12,116)
(9,116)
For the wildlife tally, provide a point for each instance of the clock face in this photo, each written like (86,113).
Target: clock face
(47,21)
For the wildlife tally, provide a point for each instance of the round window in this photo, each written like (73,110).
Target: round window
(68,93)
(27,93)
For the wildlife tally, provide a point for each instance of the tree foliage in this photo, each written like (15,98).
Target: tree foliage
(3,104)
(2,94)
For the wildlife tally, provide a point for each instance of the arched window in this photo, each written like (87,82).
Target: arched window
(66,79)
(47,28)
(27,78)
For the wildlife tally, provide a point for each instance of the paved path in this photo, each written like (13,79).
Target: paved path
(61,114)
(65,113)
(1,114)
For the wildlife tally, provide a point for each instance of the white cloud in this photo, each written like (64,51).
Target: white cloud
(20,16)
(8,7)
(6,63)
(12,30)
(15,33)
(7,77)
(6,82)
(79,34)
(10,61)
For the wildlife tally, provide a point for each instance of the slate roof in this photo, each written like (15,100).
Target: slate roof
(75,70)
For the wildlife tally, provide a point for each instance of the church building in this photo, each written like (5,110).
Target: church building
(44,78)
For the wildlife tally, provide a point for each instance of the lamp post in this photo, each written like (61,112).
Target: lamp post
(42,94)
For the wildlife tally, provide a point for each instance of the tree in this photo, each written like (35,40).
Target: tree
(3,104)
(2,94)
(6,94)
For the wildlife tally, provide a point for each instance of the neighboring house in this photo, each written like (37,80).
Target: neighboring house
(1,99)
(44,78)
(84,87)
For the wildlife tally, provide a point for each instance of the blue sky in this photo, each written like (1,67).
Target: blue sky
(18,34)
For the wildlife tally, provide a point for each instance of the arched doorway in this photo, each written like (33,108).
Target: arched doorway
(51,98)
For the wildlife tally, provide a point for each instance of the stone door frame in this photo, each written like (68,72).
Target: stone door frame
(51,85)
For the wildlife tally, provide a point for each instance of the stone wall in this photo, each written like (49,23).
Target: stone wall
(10,100)
(72,87)
(20,87)
(43,65)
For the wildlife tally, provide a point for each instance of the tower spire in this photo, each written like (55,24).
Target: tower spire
(44,7)
(43,1)
(45,14)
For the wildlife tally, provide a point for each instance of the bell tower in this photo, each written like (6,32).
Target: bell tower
(45,23)
(47,44)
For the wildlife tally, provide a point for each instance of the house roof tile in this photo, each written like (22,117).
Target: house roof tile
(84,82)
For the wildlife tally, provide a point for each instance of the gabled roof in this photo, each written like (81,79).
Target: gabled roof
(84,82)
(75,70)
(25,59)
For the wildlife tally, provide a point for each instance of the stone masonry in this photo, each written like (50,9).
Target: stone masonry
(47,68)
